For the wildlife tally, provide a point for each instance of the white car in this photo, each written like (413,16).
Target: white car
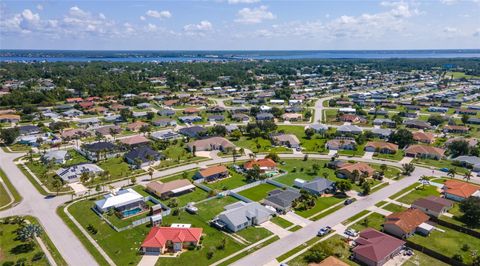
(351,232)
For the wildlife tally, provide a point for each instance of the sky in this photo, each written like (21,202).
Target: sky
(240,25)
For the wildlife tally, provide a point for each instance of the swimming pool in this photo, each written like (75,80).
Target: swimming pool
(131,212)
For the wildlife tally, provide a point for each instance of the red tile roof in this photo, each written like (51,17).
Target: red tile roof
(424,149)
(262,163)
(407,220)
(134,140)
(213,170)
(382,145)
(375,245)
(459,188)
(158,236)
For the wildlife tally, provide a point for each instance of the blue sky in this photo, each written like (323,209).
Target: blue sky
(240,24)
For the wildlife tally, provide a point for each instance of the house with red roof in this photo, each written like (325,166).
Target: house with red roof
(458,190)
(170,239)
(406,223)
(375,248)
(265,165)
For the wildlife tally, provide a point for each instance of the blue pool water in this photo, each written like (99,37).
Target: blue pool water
(131,212)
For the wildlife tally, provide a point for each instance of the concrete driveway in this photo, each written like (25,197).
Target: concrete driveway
(296,219)
(368,155)
(277,230)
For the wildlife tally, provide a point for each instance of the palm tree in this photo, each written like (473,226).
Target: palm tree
(84,177)
(468,176)
(57,185)
(150,172)
(29,232)
(451,172)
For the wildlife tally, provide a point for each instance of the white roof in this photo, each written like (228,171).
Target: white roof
(181,225)
(180,189)
(122,197)
(426,227)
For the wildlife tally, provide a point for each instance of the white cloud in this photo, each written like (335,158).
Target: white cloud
(77,12)
(476,33)
(142,18)
(40,7)
(158,14)
(449,2)
(243,1)
(204,25)
(254,15)
(450,30)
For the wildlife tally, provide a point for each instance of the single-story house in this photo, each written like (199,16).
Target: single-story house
(351,118)
(28,130)
(264,116)
(472,142)
(319,128)
(341,144)
(288,140)
(108,130)
(165,135)
(99,150)
(413,123)
(455,129)
(317,186)
(164,122)
(137,140)
(240,215)
(192,132)
(9,118)
(190,119)
(240,117)
(374,248)
(381,147)
(127,202)
(405,223)
(265,165)
(384,122)
(349,129)
(330,261)
(170,239)
(423,137)
(216,118)
(166,112)
(383,133)
(73,173)
(281,200)
(424,151)
(144,155)
(211,144)
(292,117)
(433,205)
(468,161)
(72,113)
(212,173)
(74,133)
(89,122)
(56,156)
(170,189)
(459,191)
(347,170)
(136,126)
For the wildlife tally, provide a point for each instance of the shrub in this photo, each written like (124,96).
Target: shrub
(38,256)
(209,254)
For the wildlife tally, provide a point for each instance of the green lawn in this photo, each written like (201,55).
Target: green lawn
(405,190)
(259,192)
(44,174)
(456,219)
(259,145)
(15,251)
(358,152)
(391,172)
(8,185)
(334,246)
(441,164)
(235,180)
(355,217)
(297,249)
(459,75)
(295,228)
(420,258)
(281,222)
(321,204)
(75,158)
(393,207)
(395,157)
(254,234)
(118,168)
(448,243)
(420,192)
(374,220)
(194,196)
(4,197)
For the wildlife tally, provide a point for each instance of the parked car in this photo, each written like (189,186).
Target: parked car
(348,201)
(444,169)
(351,232)
(323,231)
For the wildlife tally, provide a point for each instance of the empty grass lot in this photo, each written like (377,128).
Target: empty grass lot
(321,204)
(394,157)
(118,168)
(260,145)
(420,192)
(254,234)
(315,144)
(374,220)
(235,180)
(448,243)
(420,258)
(259,192)
(281,222)
(393,207)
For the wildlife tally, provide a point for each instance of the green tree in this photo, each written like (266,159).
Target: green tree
(57,184)
(274,156)
(28,232)
(9,135)
(343,185)
(309,132)
(366,188)
(408,168)
(471,211)
(402,137)
(452,172)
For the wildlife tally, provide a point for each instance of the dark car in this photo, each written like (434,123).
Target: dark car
(348,201)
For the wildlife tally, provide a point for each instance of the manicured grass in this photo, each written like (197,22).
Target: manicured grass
(194,196)
(16,196)
(457,218)
(420,192)
(395,157)
(378,187)
(374,220)
(459,75)
(295,228)
(448,243)
(359,151)
(394,207)
(189,175)
(4,197)
(117,168)
(249,251)
(441,164)
(281,222)
(334,246)
(254,234)
(297,249)
(405,190)
(381,203)
(19,148)
(14,250)
(259,192)
(420,258)
(304,170)
(391,171)
(259,145)
(355,217)
(34,182)
(321,204)
(177,152)
(75,158)
(325,213)
(235,180)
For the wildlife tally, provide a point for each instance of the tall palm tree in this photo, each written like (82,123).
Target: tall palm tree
(29,232)
(451,172)
(468,176)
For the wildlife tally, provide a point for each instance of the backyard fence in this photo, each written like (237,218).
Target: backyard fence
(240,197)
(456,227)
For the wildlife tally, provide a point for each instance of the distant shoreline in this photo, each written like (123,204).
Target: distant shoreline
(223,55)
